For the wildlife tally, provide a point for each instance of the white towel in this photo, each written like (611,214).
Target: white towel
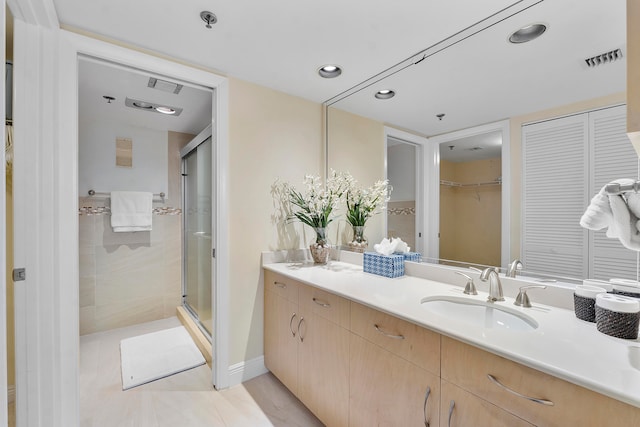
(617,212)
(131,211)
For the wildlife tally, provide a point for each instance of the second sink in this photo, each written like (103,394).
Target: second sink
(480,313)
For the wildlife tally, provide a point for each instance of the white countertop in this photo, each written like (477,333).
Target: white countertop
(562,345)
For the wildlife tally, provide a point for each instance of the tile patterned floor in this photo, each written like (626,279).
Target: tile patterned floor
(186,399)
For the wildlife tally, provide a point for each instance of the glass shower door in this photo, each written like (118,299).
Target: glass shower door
(197,260)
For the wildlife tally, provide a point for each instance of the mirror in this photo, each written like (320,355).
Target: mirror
(474,78)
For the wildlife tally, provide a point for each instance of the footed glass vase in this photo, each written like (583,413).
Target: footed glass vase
(359,242)
(320,249)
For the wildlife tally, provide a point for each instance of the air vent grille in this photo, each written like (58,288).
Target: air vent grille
(604,58)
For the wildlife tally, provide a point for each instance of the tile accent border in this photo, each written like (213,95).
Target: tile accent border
(104,210)
(401,211)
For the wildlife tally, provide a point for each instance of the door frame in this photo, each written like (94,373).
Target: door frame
(432,162)
(422,144)
(73,45)
(46,134)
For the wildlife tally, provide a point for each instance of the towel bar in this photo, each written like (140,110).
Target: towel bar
(103,194)
(615,188)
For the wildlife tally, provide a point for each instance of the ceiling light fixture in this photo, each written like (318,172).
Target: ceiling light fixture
(142,105)
(385,94)
(528,33)
(329,71)
(165,110)
(152,107)
(208,17)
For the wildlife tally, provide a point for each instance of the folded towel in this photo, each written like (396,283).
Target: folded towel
(131,211)
(620,213)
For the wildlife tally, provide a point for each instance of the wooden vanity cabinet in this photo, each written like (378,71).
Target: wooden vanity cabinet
(281,316)
(394,371)
(306,347)
(459,408)
(531,395)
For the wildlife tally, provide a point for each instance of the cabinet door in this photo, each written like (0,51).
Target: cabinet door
(280,339)
(470,410)
(323,369)
(386,390)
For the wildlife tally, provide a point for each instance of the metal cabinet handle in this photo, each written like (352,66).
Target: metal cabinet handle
(532,399)
(451,406)
(280,284)
(300,332)
(320,302)
(424,408)
(395,337)
(293,316)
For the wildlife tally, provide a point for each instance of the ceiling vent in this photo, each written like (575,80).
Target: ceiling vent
(604,58)
(164,85)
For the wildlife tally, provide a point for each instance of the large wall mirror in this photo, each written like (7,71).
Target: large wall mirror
(459,107)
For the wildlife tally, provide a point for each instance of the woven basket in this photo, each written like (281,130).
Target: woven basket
(619,325)
(585,308)
(626,294)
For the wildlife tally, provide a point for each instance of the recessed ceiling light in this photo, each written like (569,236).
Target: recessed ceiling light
(143,105)
(385,94)
(165,110)
(528,33)
(329,71)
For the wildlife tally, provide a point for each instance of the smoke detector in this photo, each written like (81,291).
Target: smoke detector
(604,58)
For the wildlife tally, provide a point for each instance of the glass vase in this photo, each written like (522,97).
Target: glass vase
(320,249)
(359,242)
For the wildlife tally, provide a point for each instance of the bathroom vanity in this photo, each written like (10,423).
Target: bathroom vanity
(361,350)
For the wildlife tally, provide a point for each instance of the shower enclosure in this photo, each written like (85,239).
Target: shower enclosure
(197,260)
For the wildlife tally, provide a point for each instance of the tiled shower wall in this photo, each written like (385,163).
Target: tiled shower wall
(130,278)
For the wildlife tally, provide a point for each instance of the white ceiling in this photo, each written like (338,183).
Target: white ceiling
(477,147)
(98,78)
(281,43)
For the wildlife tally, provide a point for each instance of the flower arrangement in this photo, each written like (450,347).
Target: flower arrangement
(317,202)
(362,203)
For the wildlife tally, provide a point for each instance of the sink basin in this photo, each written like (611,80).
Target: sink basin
(480,313)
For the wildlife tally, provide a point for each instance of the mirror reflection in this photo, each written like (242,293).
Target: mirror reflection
(472,210)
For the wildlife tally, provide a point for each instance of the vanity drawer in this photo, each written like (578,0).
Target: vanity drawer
(469,367)
(281,285)
(324,304)
(411,342)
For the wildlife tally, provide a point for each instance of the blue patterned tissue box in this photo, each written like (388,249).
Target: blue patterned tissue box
(411,256)
(383,265)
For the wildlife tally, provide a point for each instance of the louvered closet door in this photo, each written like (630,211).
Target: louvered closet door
(555,181)
(613,157)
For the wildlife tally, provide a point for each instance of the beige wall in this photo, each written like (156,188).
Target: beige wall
(516,153)
(470,217)
(357,145)
(271,135)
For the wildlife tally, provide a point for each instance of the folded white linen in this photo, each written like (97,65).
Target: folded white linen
(619,213)
(388,247)
(131,211)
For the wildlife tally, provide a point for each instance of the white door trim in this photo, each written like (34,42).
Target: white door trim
(81,45)
(422,145)
(46,218)
(433,166)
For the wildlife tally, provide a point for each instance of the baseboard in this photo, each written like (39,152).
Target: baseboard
(11,393)
(244,371)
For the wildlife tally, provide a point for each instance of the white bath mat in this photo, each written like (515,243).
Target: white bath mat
(149,357)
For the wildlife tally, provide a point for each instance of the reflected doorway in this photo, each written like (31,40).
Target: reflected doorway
(471,199)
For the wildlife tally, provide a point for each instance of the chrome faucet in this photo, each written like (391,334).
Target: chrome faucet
(495,287)
(515,265)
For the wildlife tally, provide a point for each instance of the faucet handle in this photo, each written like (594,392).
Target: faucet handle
(523,299)
(470,288)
